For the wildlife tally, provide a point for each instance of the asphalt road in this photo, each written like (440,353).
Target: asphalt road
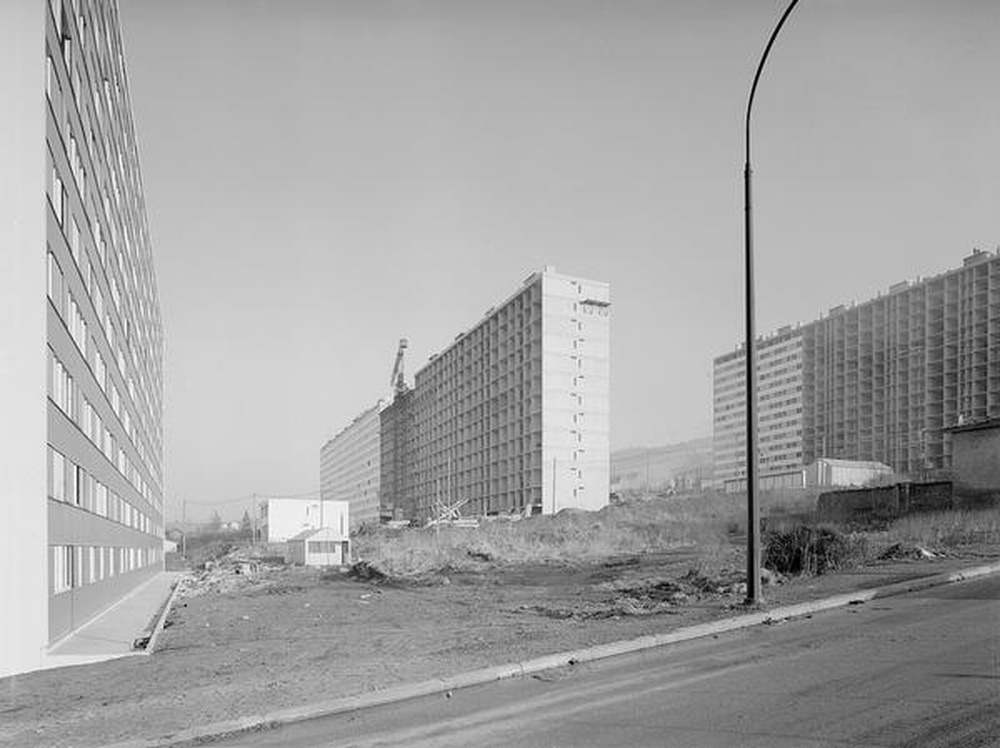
(915,670)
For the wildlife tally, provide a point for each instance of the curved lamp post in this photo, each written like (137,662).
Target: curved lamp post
(753,510)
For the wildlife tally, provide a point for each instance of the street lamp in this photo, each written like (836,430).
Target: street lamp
(753,510)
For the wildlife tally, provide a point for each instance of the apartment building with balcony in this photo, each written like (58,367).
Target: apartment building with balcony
(514,414)
(884,380)
(81,380)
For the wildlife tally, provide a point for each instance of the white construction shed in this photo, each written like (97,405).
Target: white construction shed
(827,471)
(322,547)
(282,519)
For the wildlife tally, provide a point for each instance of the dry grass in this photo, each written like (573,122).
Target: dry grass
(570,536)
(952,529)
(702,521)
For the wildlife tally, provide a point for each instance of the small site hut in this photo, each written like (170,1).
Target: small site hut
(321,547)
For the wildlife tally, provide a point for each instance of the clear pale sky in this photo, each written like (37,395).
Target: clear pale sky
(323,178)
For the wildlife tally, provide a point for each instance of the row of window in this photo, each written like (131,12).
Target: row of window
(72,484)
(67,307)
(115,126)
(79,565)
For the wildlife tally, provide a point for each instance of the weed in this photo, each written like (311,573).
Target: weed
(813,549)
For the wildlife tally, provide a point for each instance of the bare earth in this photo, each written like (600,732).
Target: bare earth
(289,637)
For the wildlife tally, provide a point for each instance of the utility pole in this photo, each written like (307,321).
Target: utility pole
(184,531)
(754,595)
(553,485)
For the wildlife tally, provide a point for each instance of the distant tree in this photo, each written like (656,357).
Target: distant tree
(215,524)
(246,526)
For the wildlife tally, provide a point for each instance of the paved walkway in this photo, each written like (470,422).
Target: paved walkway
(111,633)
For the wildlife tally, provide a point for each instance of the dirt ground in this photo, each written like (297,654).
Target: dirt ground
(237,645)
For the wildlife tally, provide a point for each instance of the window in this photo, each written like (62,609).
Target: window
(323,546)
(71,486)
(62,567)
(80,481)
(77,326)
(57,196)
(74,239)
(57,475)
(51,84)
(55,284)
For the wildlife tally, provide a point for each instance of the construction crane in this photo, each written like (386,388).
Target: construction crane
(397,384)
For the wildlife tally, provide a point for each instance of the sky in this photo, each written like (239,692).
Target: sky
(324,178)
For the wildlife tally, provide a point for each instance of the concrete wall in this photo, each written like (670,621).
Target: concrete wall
(23,557)
(976,458)
(576,375)
(885,502)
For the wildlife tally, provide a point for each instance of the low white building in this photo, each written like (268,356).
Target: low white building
(282,519)
(323,547)
(827,471)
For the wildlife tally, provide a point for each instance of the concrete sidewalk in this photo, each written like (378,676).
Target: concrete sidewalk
(111,633)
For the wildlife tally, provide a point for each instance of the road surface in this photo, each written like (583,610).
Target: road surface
(915,670)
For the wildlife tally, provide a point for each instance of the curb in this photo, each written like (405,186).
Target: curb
(161,621)
(277,718)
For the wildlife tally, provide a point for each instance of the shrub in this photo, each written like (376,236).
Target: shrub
(811,549)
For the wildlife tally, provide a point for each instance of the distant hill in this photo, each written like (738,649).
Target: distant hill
(658,467)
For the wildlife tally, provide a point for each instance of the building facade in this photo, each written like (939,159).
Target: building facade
(976,455)
(514,414)
(283,519)
(886,379)
(779,410)
(82,377)
(396,424)
(350,468)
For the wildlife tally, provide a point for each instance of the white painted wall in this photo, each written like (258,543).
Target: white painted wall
(576,373)
(286,518)
(24,531)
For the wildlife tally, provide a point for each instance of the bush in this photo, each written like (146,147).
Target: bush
(810,549)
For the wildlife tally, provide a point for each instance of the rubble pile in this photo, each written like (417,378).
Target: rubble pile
(905,550)
(654,595)
(230,573)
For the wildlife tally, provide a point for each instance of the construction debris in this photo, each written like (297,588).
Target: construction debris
(650,596)
(227,574)
(905,550)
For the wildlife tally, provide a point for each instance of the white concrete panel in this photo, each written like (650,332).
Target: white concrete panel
(23,545)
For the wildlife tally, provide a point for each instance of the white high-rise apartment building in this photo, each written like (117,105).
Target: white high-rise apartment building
(81,340)
(514,414)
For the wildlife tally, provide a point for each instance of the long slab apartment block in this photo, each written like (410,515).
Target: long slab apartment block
(81,380)
(512,416)
(885,380)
